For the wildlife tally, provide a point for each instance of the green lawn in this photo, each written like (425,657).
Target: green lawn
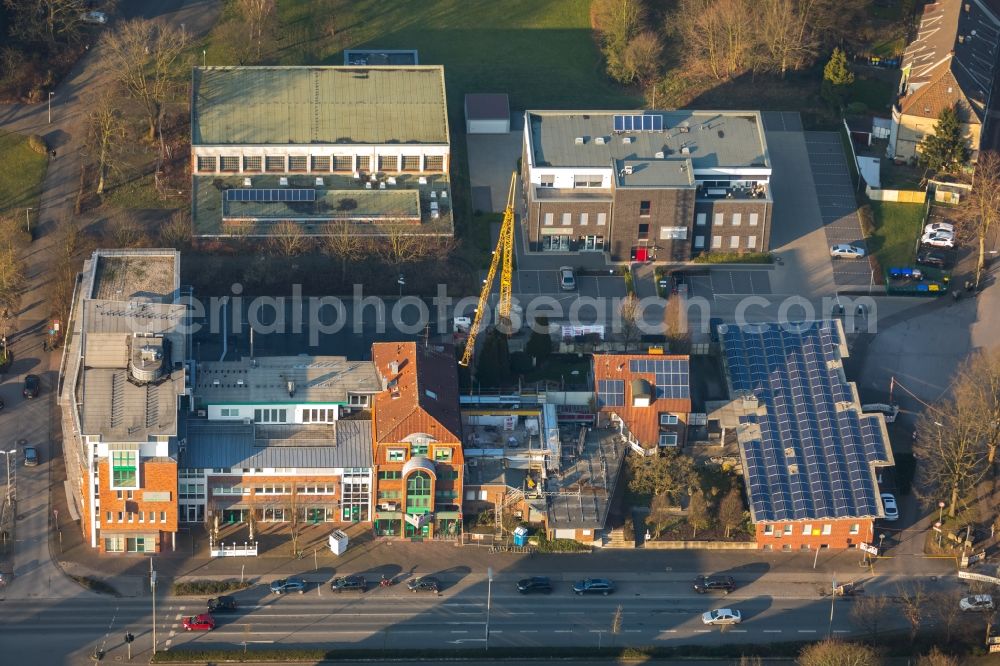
(140,193)
(897,226)
(874,92)
(541,52)
(21,173)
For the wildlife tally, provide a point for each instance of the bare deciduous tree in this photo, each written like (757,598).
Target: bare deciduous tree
(786,34)
(868,612)
(259,16)
(718,36)
(629,311)
(676,325)
(838,653)
(937,658)
(176,232)
(125,231)
(397,245)
(982,209)
(344,244)
(47,21)
(144,56)
(288,240)
(660,513)
(978,386)
(232,36)
(951,451)
(913,600)
(699,514)
(731,510)
(947,611)
(618,21)
(642,58)
(105,134)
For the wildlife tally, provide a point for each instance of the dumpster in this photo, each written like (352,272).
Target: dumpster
(338,542)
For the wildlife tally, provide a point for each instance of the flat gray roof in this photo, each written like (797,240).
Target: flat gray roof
(318,105)
(123,275)
(654,173)
(711,138)
(316,379)
(222,444)
(487,106)
(119,411)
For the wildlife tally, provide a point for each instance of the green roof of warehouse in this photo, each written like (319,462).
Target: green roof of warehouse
(318,105)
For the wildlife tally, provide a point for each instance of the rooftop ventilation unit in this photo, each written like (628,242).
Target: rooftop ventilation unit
(627,170)
(394,367)
(579,141)
(659,155)
(627,139)
(685,150)
(599,140)
(291,388)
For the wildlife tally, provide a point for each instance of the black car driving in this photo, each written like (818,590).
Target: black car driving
(221,604)
(534,584)
(32,385)
(705,584)
(424,584)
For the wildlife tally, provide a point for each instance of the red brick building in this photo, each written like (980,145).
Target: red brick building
(416,441)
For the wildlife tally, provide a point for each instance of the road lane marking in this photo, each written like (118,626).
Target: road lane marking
(459,631)
(702,631)
(529,631)
(521,613)
(633,631)
(841,631)
(772,631)
(563,631)
(737,631)
(807,631)
(497,631)
(571,613)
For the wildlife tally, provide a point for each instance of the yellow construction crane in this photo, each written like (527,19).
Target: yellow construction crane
(504,252)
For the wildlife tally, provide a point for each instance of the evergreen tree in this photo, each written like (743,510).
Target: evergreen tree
(836,77)
(945,149)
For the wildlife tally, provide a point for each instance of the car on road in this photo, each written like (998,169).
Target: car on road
(594,586)
(424,584)
(567,280)
(349,583)
(534,584)
(30,456)
(203,622)
(846,251)
(704,584)
(938,239)
(939,226)
(721,616)
(99,18)
(32,385)
(223,603)
(889,504)
(979,603)
(936,258)
(285,585)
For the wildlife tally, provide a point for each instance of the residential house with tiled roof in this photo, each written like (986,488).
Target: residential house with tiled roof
(647,397)
(951,63)
(416,441)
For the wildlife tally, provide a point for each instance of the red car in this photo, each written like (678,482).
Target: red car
(203,622)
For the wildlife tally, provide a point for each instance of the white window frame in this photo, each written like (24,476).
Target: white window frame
(855,528)
(701,219)
(584,218)
(788,529)
(549,218)
(567,219)
(734,243)
(668,419)
(546,181)
(667,440)
(716,242)
(807,529)
(768,530)
(751,242)
(737,219)
(753,219)
(699,242)
(602,219)
(827,529)
(719,220)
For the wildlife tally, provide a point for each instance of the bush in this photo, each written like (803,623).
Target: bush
(96,585)
(199,587)
(37,144)
(734,258)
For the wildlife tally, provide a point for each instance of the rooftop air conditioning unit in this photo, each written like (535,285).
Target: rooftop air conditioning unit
(628,171)
(659,155)
(579,141)
(627,139)
(685,151)
(202,413)
(599,140)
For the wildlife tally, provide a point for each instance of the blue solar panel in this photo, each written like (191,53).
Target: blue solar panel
(270,195)
(657,123)
(813,459)
(619,123)
(670,376)
(611,393)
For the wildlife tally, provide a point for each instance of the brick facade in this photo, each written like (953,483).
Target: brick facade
(843,533)
(138,515)
(751,234)
(667,207)
(584,220)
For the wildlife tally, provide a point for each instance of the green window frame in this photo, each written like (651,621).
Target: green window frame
(396,455)
(442,453)
(390,475)
(124,469)
(419,486)
(418,450)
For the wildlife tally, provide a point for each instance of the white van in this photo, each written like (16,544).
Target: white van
(888,411)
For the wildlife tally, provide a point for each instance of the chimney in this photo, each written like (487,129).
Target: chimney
(394,367)
(291,388)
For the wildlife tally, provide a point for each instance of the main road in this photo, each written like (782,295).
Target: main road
(653,612)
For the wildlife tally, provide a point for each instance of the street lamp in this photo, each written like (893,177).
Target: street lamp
(204,58)
(27,219)
(880,539)
(7,455)
(152,586)
(940,512)
(489,599)
(402,283)
(937,527)
(50,107)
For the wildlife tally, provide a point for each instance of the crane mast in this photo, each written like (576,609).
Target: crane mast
(503,256)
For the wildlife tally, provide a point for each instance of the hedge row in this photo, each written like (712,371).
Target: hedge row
(198,587)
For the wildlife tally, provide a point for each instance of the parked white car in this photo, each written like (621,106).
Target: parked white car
(890,412)
(938,239)
(939,226)
(722,616)
(979,603)
(891,509)
(845,251)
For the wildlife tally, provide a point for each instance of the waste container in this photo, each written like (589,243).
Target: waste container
(338,542)
(521,536)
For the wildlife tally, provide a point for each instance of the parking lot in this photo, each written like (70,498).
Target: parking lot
(722,282)
(838,207)
(529,283)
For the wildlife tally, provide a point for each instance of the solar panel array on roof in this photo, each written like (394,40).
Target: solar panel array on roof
(671,376)
(249,194)
(638,123)
(812,459)
(611,393)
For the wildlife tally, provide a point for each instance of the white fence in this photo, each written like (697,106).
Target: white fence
(247,549)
